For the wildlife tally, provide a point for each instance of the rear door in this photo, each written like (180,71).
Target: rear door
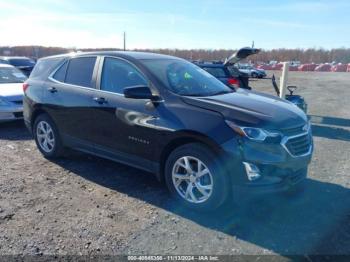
(124,127)
(69,92)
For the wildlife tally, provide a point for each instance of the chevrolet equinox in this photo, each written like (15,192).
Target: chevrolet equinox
(167,116)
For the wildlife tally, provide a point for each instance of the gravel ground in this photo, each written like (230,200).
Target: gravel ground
(86,205)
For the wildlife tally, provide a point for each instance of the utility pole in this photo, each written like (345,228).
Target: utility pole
(124,42)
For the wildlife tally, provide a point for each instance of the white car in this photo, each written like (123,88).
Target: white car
(11,93)
(252,71)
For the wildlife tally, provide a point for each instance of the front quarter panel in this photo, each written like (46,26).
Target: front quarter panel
(179,120)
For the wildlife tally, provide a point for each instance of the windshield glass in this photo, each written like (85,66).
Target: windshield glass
(185,78)
(21,62)
(11,75)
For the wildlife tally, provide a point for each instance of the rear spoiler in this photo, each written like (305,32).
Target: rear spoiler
(241,54)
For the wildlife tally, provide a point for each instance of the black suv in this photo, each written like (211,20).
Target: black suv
(229,75)
(168,116)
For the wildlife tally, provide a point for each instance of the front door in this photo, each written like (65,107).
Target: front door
(123,126)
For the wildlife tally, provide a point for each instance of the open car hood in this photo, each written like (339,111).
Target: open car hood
(241,54)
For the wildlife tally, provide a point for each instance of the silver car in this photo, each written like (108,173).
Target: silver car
(11,93)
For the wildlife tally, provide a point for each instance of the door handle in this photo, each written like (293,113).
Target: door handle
(100,100)
(52,89)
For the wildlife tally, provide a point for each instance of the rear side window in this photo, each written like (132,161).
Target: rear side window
(80,70)
(215,71)
(118,74)
(44,66)
(60,74)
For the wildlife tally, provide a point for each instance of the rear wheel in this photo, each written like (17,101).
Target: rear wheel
(47,137)
(195,177)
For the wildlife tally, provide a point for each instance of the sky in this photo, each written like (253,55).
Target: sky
(182,24)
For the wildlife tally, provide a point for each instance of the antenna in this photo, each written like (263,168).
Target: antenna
(253,44)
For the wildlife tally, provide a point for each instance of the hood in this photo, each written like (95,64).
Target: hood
(241,54)
(249,108)
(11,91)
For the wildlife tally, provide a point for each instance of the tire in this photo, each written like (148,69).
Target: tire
(254,75)
(54,147)
(197,155)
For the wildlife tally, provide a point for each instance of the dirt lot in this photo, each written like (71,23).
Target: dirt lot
(87,205)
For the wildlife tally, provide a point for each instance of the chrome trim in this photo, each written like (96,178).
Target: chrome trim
(285,139)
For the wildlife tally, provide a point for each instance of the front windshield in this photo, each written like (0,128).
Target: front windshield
(11,75)
(185,78)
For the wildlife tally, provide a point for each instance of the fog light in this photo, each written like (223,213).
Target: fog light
(252,171)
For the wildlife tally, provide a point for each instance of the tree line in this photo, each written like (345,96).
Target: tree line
(311,55)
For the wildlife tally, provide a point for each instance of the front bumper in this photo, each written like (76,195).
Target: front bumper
(279,169)
(10,113)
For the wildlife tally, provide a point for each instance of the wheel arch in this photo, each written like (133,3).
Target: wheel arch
(36,112)
(182,138)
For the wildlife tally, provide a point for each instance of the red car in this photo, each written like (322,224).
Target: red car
(323,68)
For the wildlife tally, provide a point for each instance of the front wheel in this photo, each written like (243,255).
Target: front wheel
(195,177)
(254,75)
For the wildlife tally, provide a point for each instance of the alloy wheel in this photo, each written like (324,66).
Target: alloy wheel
(45,136)
(192,179)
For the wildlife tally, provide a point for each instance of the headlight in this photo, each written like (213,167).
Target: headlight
(253,133)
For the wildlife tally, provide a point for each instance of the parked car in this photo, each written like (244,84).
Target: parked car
(339,67)
(264,67)
(252,71)
(167,116)
(11,93)
(227,72)
(323,68)
(307,67)
(229,75)
(23,63)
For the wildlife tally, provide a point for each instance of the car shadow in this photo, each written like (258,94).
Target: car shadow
(330,127)
(315,220)
(15,131)
(331,132)
(328,120)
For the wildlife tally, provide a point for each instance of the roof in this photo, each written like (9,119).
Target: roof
(126,54)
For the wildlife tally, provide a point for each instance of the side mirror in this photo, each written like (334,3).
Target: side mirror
(139,92)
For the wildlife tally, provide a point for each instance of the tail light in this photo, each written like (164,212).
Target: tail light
(25,87)
(233,82)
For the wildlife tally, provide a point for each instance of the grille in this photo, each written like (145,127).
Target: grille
(19,102)
(293,131)
(299,145)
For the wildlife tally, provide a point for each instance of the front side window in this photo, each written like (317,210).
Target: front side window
(118,74)
(80,71)
(185,78)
